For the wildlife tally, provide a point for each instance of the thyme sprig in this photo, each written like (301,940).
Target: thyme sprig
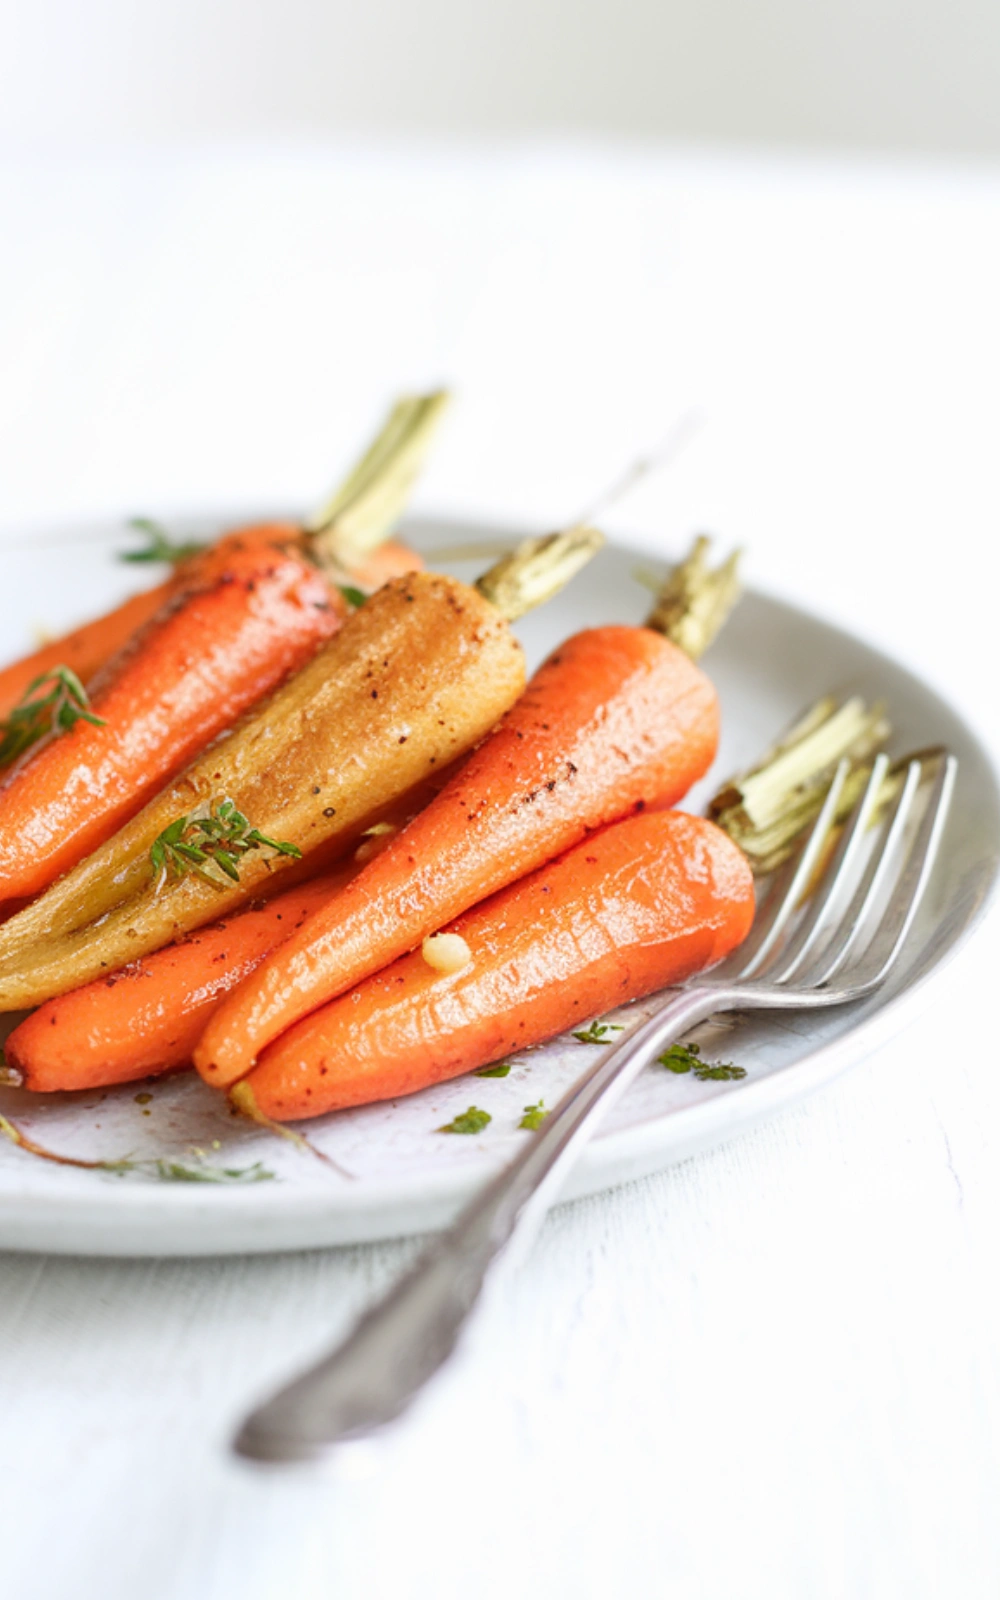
(53,703)
(165,1168)
(200,844)
(159,546)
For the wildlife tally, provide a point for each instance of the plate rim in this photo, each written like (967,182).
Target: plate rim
(304,1217)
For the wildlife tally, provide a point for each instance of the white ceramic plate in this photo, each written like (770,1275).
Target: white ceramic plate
(394,1172)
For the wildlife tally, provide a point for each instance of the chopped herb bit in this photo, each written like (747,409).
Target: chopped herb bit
(197,1171)
(687,1058)
(199,843)
(599,1032)
(501,1070)
(53,703)
(160,546)
(680,1058)
(354,597)
(533,1117)
(471,1121)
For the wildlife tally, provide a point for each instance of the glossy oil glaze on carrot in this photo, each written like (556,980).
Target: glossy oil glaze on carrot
(249,614)
(617,719)
(643,904)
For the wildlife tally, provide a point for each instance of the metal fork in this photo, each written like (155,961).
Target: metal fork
(828,954)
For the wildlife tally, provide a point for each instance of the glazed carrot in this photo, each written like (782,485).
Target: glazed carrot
(85,649)
(642,904)
(248,615)
(387,561)
(147,1018)
(344,538)
(617,719)
(415,678)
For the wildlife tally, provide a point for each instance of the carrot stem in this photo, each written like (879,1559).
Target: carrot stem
(360,512)
(766,808)
(695,601)
(537,569)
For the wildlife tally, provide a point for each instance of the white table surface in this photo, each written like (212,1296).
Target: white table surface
(771,1371)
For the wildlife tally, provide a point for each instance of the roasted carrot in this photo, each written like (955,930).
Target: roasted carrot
(640,905)
(344,538)
(147,1018)
(85,649)
(415,678)
(616,719)
(249,614)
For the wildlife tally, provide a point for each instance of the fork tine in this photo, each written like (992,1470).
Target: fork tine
(786,890)
(915,871)
(854,922)
(813,923)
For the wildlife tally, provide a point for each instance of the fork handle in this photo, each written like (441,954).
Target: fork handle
(400,1343)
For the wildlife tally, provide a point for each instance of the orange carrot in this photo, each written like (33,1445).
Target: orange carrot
(147,1018)
(85,649)
(385,562)
(617,719)
(343,538)
(642,904)
(249,614)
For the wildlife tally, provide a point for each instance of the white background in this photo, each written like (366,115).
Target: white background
(771,1372)
(904,74)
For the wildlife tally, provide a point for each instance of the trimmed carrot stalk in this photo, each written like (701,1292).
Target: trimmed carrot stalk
(415,678)
(147,1018)
(644,904)
(250,614)
(617,719)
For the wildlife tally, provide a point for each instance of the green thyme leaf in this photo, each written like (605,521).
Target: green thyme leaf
(200,844)
(599,1032)
(680,1058)
(191,1171)
(501,1070)
(354,597)
(472,1121)
(159,545)
(533,1116)
(180,1172)
(721,1072)
(687,1058)
(54,703)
